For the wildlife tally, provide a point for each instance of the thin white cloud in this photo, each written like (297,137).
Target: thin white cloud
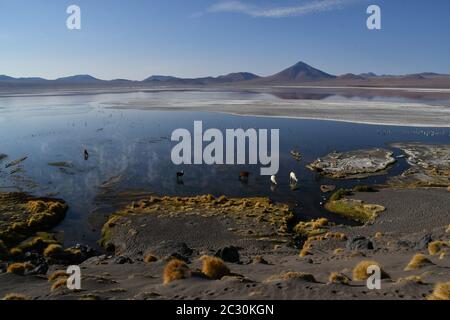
(275,12)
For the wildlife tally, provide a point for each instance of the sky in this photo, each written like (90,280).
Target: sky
(134,39)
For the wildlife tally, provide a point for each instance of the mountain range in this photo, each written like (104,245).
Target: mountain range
(300,74)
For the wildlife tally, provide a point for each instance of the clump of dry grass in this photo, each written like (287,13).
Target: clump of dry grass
(378,235)
(53,251)
(441,292)
(308,277)
(312,228)
(448,228)
(14,296)
(260,260)
(436,247)
(19,268)
(305,252)
(214,268)
(89,296)
(415,279)
(15,252)
(176,270)
(61,282)
(336,235)
(149,258)
(360,271)
(338,251)
(417,262)
(320,223)
(337,277)
(57,274)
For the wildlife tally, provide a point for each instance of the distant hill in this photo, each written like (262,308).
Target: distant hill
(368,75)
(229,78)
(5,78)
(351,76)
(82,78)
(238,76)
(300,74)
(160,78)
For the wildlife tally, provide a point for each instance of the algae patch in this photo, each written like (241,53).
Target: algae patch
(21,216)
(355,209)
(255,217)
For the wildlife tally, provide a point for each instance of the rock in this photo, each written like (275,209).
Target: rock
(110,247)
(422,244)
(41,268)
(359,243)
(123,260)
(327,188)
(228,254)
(86,251)
(177,256)
(172,248)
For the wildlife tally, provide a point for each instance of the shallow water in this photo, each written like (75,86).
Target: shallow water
(130,150)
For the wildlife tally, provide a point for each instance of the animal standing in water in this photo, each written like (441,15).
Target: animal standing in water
(243,176)
(86,155)
(273,179)
(180,175)
(293,178)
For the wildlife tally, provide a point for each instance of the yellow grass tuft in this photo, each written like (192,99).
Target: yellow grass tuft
(448,228)
(441,292)
(305,252)
(214,268)
(57,274)
(338,251)
(414,279)
(36,206)
(308,277)
(378,235)
(19,268)
(149,258)
(340,278)
(320,223)
(417,262)
(61,282)
(360,271)
(15,252)
(176,270)
(53,251)
(335,235)
(14,296)
(436,247)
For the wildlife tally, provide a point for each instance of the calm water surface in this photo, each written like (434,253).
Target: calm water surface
(130,153)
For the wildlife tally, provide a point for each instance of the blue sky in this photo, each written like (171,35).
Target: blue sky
(137,38)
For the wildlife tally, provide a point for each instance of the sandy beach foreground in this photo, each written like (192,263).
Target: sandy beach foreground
(409,241)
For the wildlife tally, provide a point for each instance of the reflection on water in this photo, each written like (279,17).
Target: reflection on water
(129,155)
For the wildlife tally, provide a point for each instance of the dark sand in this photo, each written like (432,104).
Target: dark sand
(410,214)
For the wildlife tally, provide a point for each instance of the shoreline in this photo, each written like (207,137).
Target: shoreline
(378,113)
(324,269)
